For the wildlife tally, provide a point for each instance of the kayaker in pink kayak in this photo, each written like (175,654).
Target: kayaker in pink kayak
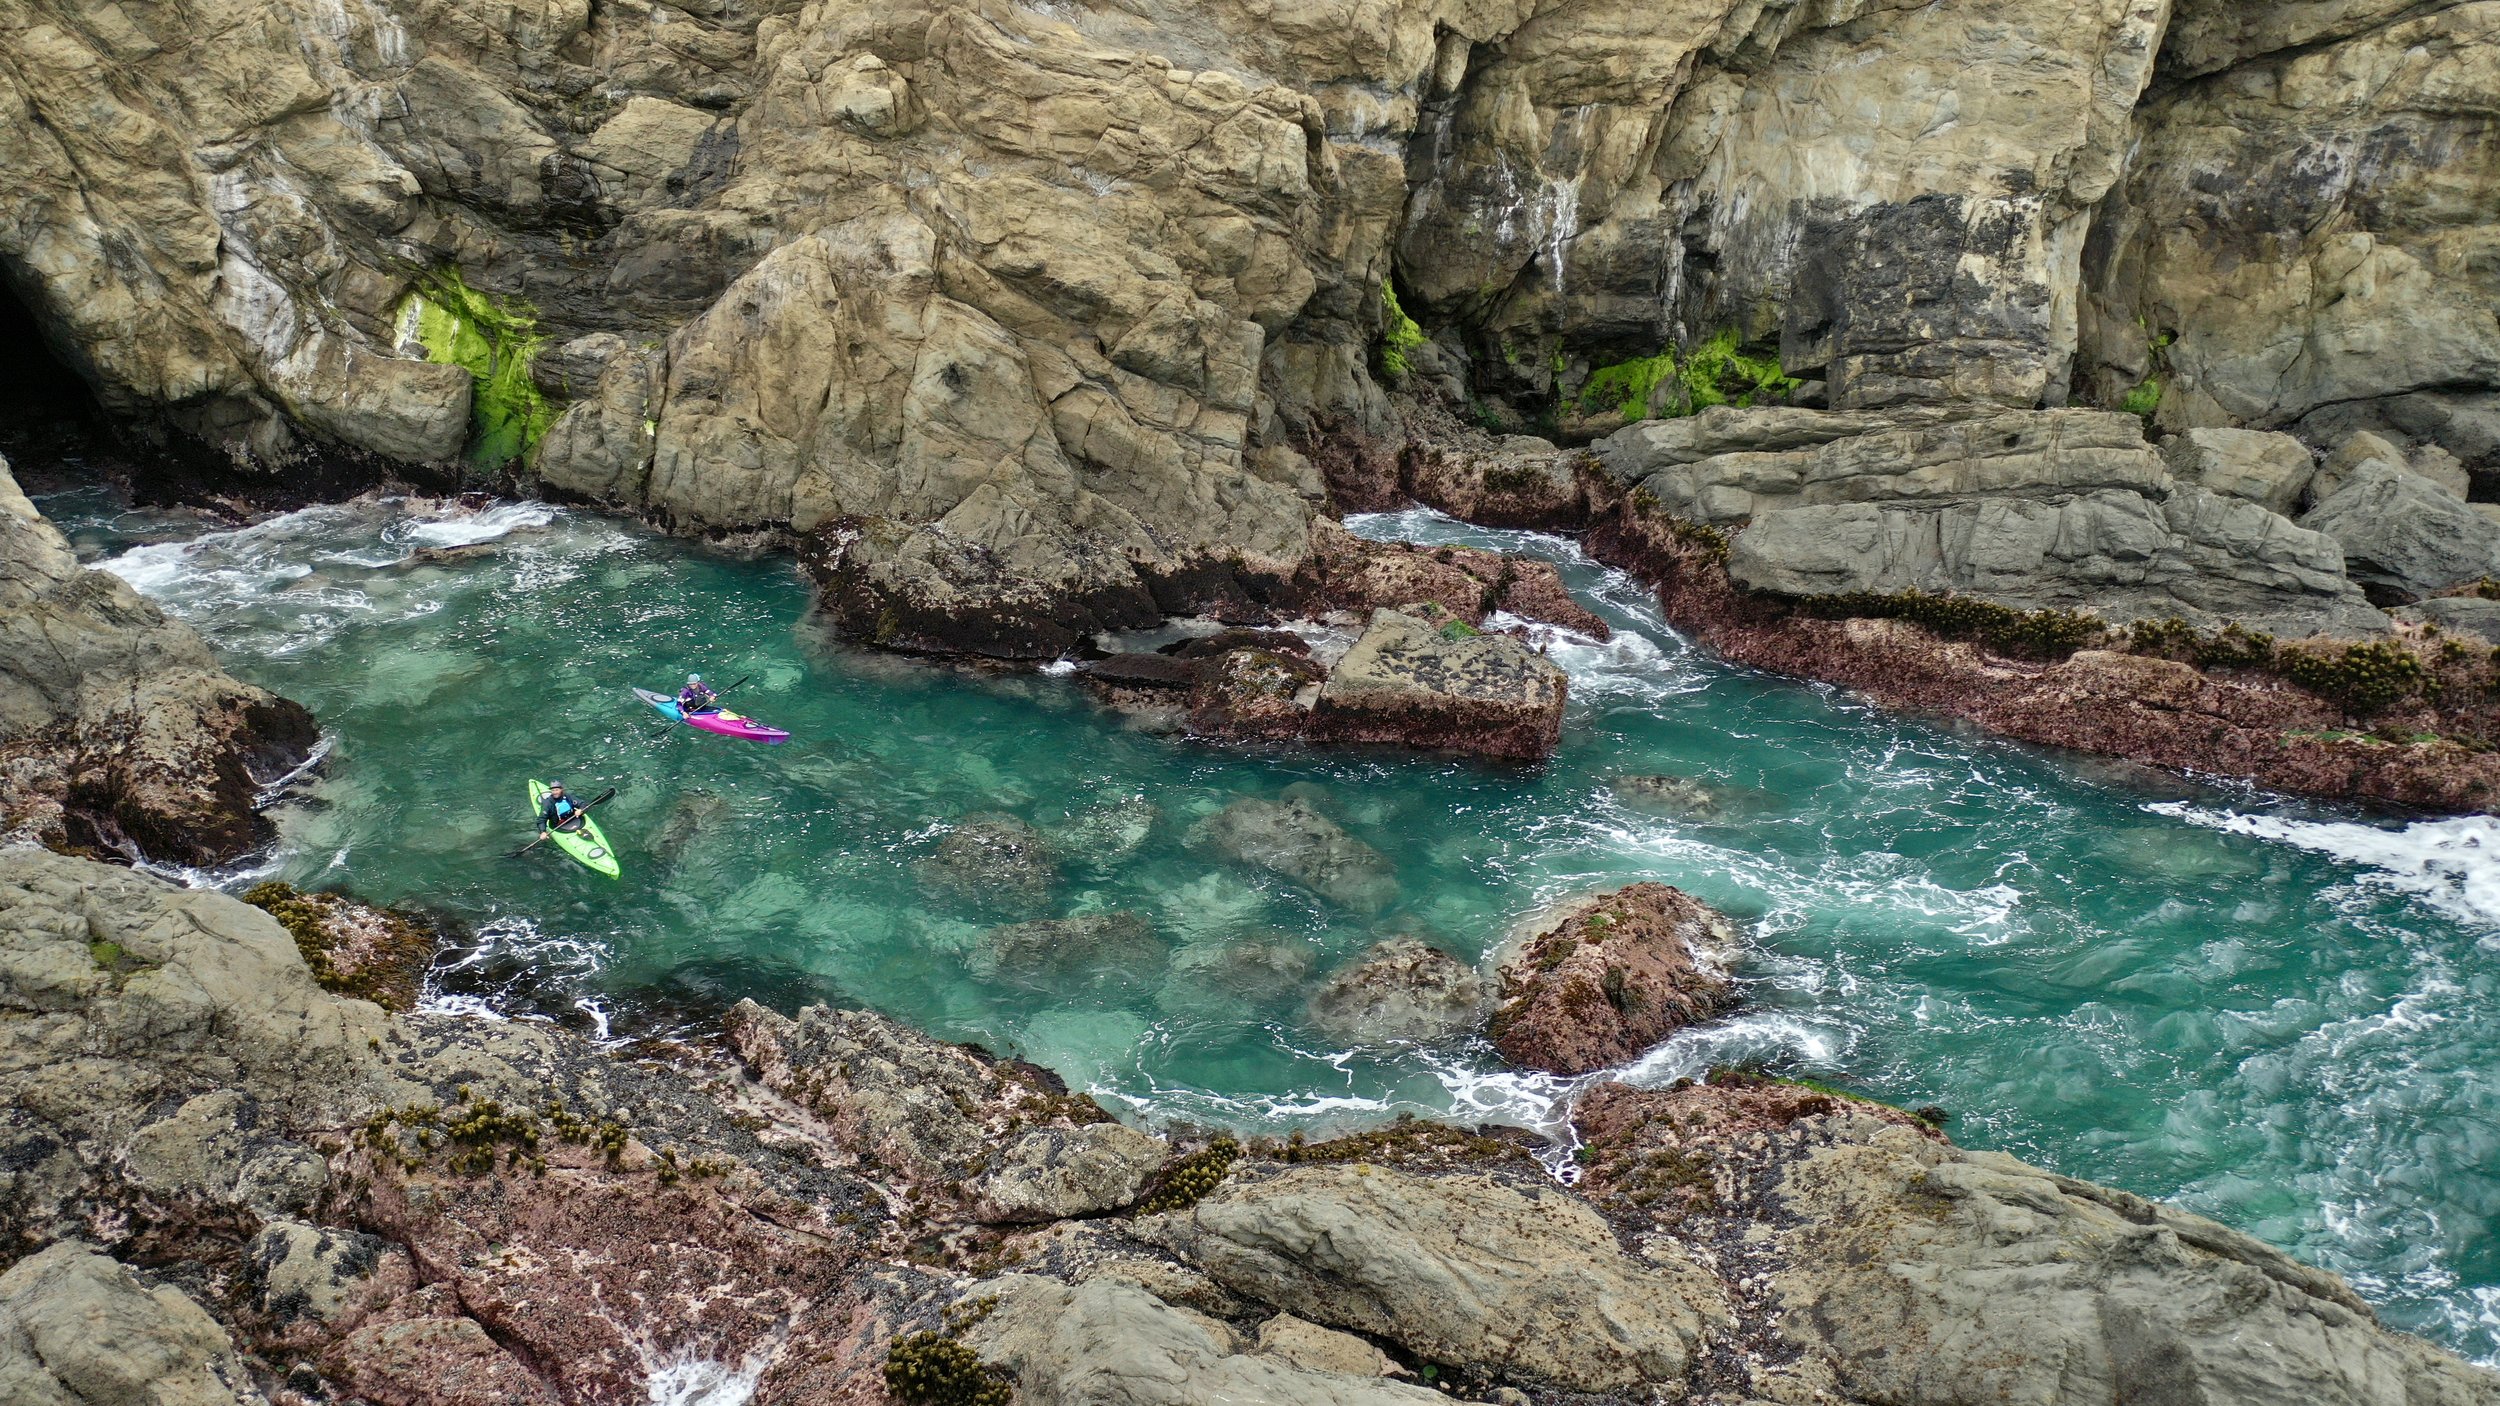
(695,698)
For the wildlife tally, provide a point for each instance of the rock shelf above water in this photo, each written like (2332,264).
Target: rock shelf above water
(479,1211)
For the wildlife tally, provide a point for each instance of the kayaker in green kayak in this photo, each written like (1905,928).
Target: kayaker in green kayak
(557,811)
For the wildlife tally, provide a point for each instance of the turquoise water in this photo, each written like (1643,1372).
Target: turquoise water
(2280,1017)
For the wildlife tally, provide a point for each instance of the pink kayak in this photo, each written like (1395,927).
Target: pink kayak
(719,720)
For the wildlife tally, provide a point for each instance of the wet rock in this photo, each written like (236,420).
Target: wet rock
(117,728)
(1346,572)
(1399,990)
(1519,1284)
(2273,471)
(1112,1343)
(1093,949)
(1516,481)
(77,1329)
(1607,977)
(1292,839)
(1144,671)
(994,860)
(1254,695)
(1057,1173)
(427,1353)
(2404,536)
(1417,681)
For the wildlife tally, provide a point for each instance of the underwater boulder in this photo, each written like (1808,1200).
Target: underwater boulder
(1401,989)
(1292,839)
(993,859)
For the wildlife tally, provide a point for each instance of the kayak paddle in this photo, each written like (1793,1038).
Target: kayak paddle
(604,796)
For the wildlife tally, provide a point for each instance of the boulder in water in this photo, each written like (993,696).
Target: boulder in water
(1106,830)
(1666,795)
(1610,975)
(994,860)
(1230,976)
(1420,678)
(1089,949)
(1291,838)
(693,813)
(1401,989)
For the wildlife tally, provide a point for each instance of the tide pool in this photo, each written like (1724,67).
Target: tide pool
(2284,1017)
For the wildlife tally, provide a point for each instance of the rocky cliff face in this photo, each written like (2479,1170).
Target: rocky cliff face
(220,1182)
(1022,313)
(118,730)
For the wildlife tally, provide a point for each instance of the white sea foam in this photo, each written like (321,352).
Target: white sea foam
(2451,865)
(460,528)
(687,1380)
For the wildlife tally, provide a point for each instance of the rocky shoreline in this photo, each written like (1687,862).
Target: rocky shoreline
(222,1181)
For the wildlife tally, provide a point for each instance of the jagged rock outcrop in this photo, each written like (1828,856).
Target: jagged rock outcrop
(497,1214)
(2056,508)
(1424,681)
(118,729)
(1603,978)
(2405,536)
(2286,248)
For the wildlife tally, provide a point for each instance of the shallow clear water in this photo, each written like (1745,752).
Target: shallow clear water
(2283,1018)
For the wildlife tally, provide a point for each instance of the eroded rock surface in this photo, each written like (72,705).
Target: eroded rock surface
(118,729)
(504,1215)
(1400,989)
(1421,681)
(1607,976)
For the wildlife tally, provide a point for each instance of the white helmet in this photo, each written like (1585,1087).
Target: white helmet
(692,679)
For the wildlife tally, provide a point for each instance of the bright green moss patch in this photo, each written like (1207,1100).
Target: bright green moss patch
(1715,373)
(1399,335)
(2143,399)
(495,341)
(1626,386)
(2363,678)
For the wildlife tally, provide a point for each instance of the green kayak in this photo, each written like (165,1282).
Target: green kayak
(585,844)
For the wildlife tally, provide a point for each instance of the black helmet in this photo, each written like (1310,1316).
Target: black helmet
(555,785)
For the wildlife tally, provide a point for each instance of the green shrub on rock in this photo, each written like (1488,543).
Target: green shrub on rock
(2364,678)
(932,1369)
(1192,1177)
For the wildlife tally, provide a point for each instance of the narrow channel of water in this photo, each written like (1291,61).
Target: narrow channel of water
(2285,1018)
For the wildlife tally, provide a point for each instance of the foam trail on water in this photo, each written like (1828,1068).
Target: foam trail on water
(2451,865)
(687,1380)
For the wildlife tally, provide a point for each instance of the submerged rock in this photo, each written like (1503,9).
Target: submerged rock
(1291,838)
(1399,990)
(1226,976)
(993,860)
(1089,949)
(1608,976)
(1106,830)
(1417,681)
(1672,795)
